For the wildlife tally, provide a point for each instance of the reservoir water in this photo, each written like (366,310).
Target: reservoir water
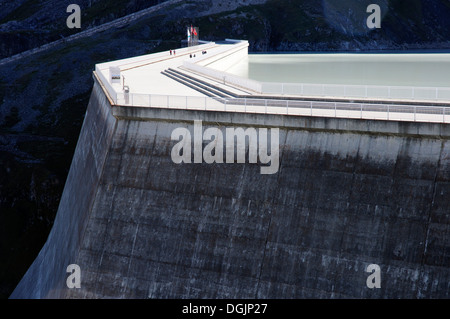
(396,69)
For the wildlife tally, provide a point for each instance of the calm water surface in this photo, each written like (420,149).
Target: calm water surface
(430,69)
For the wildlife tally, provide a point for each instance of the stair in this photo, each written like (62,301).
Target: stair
(197,84)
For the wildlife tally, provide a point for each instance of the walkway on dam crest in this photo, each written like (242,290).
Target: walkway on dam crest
(182,79)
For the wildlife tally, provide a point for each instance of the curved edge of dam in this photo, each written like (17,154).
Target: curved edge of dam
(47,275)
(348,194)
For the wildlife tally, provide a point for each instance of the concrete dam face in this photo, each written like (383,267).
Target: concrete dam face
(348,194)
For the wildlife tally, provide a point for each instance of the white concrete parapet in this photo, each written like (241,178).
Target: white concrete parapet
(369,111)
(358,91)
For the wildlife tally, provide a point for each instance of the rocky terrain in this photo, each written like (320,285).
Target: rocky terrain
(43,97)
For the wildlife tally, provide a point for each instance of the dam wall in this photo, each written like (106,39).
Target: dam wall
(348,193)
(46,278)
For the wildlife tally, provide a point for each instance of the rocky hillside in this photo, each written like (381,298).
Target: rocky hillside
(25,24)
(43,97)
(274,25)
(333,25)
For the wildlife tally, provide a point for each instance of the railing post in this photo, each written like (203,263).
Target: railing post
(311,107)
(388,111)
(443,114)
(415,113)
(361,109)
(335,109)
(287,107)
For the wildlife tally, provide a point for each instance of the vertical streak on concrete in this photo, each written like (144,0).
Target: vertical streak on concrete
(127,278)
(432,203)
(427,232)
(346,221)
(104,241)
(283,145)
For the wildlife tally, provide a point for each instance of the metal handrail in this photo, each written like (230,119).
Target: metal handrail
(358,91)
(390,112)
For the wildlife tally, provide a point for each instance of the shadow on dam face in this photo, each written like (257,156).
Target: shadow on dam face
(141,226)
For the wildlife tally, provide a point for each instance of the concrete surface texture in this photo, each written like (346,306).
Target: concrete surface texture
(349,193)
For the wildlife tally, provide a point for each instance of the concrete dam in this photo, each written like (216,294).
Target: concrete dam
(348,193)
